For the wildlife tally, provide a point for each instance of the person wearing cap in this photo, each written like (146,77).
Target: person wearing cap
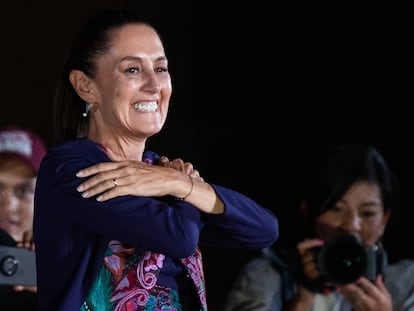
(21,152)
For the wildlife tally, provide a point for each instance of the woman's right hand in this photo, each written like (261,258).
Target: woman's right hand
(307,256)
(304,298)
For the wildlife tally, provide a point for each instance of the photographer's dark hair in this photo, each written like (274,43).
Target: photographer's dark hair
(342,166)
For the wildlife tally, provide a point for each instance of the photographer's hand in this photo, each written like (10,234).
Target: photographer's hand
(308,257)
(304,298)
(365,295)
(27,240)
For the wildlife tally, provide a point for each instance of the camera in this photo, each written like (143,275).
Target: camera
(17,266)
(344,259)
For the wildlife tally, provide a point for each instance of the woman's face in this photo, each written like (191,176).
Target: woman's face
(359,212)
(17,185)
(132,84)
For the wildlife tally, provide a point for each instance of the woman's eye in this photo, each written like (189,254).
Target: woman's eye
(337,208)
(133,70)
(368,213)
(161,69)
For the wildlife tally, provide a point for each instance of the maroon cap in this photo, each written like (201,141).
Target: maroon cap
(16,142)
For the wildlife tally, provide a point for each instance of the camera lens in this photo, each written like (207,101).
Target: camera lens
(343,260)
(8,265)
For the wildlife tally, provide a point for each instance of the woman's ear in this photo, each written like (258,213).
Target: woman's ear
(82,85)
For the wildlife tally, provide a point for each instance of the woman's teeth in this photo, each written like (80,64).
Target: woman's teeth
(146,107)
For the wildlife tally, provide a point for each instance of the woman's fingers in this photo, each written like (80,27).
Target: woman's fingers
(100,168)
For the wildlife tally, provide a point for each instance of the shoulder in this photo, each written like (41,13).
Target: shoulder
(261,285)
(403,265)
(399,280)
(260,265)
(265,267)
(80,149)
(75,147)
(67,158)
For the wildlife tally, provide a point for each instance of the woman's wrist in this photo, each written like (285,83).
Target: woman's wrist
(191,189)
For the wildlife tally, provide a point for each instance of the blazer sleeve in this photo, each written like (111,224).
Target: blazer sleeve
(244,224)
(161,225)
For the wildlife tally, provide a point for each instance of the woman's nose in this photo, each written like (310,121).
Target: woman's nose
(352,222)
(152,83)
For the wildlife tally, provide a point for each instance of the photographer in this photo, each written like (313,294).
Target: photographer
(21,152)
(349,201)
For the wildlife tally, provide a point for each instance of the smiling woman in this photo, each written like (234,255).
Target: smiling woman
(118,227)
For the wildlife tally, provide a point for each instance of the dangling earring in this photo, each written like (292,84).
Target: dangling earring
(87,108)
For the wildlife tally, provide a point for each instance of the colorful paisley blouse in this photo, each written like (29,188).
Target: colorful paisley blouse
(127,282)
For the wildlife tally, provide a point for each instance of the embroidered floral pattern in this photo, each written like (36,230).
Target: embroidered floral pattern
(163,299)
(194,266)
(133,274)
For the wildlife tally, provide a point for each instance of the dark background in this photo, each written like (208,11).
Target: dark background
(258,88)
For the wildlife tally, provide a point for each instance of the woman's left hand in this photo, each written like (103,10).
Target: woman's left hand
(114,179)
(365,295)
(177,178)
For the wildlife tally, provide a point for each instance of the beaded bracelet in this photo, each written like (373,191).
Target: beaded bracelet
(191,189)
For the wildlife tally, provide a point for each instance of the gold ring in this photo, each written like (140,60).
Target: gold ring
(114,182)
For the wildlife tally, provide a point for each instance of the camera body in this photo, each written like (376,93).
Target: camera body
(17,266)
(344,259)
